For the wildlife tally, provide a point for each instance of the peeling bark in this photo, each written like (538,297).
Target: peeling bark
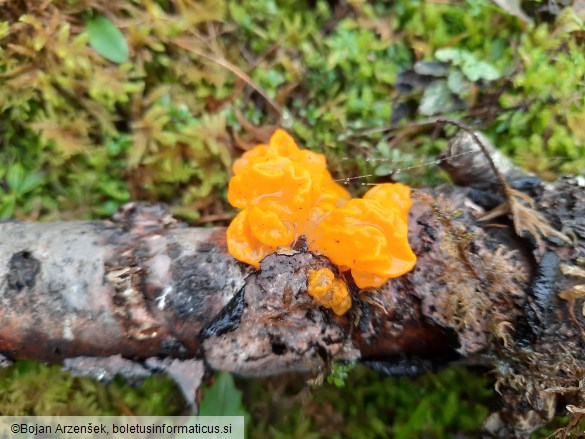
(138,286)
(143,286)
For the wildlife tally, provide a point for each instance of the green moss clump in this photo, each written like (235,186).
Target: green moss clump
(31,388)
(157,127)
(543,128)
(437,406)
(94,134)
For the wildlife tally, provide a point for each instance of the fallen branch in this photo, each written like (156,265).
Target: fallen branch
(142,292)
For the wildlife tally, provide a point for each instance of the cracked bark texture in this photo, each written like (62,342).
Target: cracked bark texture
(143,293)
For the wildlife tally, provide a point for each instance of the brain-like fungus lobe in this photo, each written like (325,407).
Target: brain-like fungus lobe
(286,192)
(369,236)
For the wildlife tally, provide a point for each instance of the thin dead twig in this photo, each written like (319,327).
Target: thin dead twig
(187,44)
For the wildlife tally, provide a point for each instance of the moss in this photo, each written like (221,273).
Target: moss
(139,129)
(437,406)
(337,71)
(31,388)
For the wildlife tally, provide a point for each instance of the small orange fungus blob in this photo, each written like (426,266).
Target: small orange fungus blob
(286,192)
(328,291)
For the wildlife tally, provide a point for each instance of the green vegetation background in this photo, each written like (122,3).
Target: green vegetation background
(104,102)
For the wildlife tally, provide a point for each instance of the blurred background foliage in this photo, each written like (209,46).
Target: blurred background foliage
(104,102)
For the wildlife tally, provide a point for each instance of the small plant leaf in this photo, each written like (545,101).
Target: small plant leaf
(107,39)
(449,54)
(436,99)
(15,177)
(7,206)
(431,68)
(222,398)
(384,149)
(471,67)
(383,169)
(30,182)
(477,70)
(457,83)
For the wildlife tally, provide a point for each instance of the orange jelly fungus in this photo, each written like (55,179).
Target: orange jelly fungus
(286,192)
(328,291)
(368,236)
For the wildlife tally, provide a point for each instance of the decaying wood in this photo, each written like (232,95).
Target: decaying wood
(141,292)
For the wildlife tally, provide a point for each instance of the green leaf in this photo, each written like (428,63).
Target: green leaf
(449,54)
(383,170)
(222,398)
(107,39)
(457,83)
(15,177)
(436,99)
(472,68)
(477,70)
(384,149)
(7,206)
(30,182)
(339,374)
(431,68)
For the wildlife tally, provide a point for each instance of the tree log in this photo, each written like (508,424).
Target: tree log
(145,288)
